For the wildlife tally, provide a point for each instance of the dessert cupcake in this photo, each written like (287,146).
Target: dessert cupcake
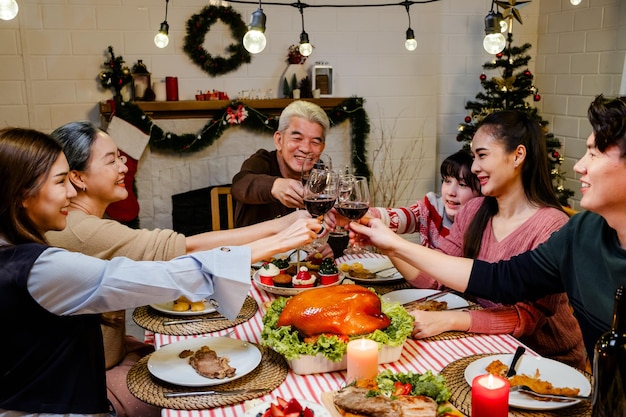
(304,279)
(329,274)
(282,280)
(267,273)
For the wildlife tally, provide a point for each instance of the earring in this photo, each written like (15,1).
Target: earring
(84,188)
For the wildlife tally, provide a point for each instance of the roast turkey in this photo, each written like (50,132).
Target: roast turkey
(341,310)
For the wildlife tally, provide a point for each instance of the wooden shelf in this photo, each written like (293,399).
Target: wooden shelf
(192,109)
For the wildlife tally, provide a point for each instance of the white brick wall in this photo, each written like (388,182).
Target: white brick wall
(52,54)
(581,55)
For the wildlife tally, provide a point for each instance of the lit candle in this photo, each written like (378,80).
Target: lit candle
(490,396)
(362,359)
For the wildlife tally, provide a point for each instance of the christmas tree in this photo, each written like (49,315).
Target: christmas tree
(512,90)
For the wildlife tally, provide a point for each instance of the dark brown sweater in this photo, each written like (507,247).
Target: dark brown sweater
(252,187)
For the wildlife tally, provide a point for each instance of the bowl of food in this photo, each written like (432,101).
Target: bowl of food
(312,329)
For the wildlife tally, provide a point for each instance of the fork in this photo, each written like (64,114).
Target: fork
(524,389)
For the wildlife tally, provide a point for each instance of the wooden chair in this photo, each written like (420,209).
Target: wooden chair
(216,213)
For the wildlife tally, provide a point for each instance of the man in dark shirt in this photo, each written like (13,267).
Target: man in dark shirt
(269,184)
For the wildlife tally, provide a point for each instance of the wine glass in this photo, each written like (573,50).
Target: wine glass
(315,161)
(320,194)
(353,201)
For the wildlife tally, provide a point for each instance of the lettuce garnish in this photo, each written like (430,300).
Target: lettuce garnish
(288,343)
(428,384)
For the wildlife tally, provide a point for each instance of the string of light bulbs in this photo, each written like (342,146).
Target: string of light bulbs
(254,40)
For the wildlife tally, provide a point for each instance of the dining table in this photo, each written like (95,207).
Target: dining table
(436,354)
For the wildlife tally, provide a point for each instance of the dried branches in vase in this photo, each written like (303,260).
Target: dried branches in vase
(395,177)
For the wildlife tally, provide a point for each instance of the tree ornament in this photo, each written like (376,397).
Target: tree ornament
(536,97)
(197,28)
(483,77)
(555,154)
(510,8)
(468,119)
(116,75)
(499,55)
(527,73)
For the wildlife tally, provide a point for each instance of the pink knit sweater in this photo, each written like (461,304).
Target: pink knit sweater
(546,325)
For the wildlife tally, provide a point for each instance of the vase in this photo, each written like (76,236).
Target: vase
(290,80)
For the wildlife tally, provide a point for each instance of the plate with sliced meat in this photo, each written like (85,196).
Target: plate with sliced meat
(204,361)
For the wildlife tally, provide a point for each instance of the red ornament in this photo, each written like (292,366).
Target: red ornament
(527,73)
(556,155)
(468,119)
(499,55)
(483,77)
(537,97)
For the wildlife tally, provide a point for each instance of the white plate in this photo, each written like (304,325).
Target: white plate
(167,366)
(373,262)
(404,296)
(168,308)
(291,256)
(557,373)
(318,409)
(286,291)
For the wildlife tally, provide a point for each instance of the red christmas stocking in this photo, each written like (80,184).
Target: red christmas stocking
(126,211)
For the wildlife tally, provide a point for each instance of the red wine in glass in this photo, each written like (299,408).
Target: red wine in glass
(352,210)
(319,205)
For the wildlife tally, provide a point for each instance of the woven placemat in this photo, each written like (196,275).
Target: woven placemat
(462,394)
(270,373)
(151,319)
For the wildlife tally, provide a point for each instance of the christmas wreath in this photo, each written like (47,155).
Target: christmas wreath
(197,28)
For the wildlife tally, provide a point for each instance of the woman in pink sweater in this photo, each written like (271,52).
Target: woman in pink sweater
(518,212)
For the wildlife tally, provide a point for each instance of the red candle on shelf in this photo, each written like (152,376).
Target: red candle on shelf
(490,396)
(171,88)
(362,359)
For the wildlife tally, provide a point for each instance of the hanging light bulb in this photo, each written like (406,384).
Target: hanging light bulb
(8,9)
(162,39)
(494,41)
(575,2)
(305,48)
(410,44)
(254,40)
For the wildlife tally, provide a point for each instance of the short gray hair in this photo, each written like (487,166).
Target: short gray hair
(77,139)
(305,110)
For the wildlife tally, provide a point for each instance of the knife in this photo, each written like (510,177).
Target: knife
(518,354)
(169,323)
(429,297)
(213,392)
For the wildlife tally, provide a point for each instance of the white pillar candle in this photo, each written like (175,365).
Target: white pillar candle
(362,358)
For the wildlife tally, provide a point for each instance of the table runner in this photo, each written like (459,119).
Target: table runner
(417,356)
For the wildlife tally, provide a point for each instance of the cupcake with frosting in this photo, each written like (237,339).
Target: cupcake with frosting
(329,274)
(304,279)
(267,273)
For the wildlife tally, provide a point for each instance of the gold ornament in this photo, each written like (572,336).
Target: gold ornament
(504,84)
(510,8)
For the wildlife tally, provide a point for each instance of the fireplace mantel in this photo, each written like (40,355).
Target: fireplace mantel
(192,109)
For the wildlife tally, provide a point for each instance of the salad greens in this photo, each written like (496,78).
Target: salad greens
(288,343)
(428,384)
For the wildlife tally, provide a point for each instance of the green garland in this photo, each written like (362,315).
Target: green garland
(238,114)
(198,26)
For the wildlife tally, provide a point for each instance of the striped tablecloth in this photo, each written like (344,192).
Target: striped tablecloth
(416,356)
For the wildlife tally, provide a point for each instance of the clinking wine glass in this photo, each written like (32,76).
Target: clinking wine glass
(320,194)
(315,161)
(353,202)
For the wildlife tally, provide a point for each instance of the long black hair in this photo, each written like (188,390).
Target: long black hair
(512,128)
